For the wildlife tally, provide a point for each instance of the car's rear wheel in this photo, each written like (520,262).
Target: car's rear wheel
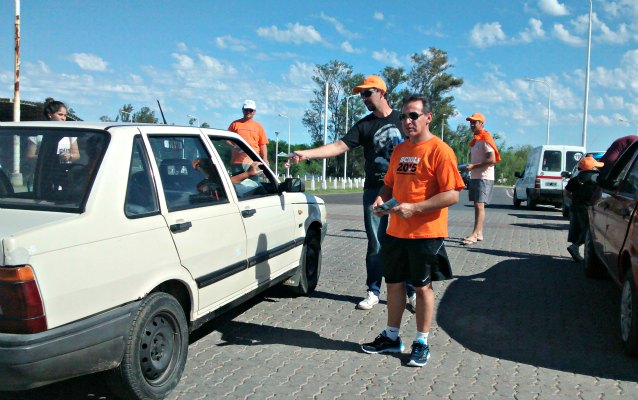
(629,315)
(594,268)
(515,199)
(531,201)
(310,264)
(155,350)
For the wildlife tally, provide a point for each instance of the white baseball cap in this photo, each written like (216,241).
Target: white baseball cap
(249,104)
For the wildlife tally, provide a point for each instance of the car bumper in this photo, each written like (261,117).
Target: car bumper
(91,345)
(547,195)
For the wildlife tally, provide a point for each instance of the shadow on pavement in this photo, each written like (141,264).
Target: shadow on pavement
(540,311)
(541,216)
(554,227)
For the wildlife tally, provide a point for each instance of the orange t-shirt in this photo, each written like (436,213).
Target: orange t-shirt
(416,173)
(252,132)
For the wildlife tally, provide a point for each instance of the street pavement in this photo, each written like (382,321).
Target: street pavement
(518,321)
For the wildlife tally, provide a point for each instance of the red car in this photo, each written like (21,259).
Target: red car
(612,240)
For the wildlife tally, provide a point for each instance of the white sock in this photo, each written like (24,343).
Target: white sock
(423,336)
(392,332)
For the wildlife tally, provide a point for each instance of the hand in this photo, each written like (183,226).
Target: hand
(469,167)
(405,210)
(379,201)
(298,156)
(254,169)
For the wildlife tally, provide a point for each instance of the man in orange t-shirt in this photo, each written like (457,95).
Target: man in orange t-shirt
(253,133)
(424,180)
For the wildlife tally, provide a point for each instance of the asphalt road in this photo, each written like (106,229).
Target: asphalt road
(518,320)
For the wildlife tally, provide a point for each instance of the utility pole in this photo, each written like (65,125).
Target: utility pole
(16,175)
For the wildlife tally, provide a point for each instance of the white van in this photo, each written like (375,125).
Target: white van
(541,182)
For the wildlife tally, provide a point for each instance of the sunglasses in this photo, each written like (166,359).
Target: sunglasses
(368,93)
(248,110)
(412,115)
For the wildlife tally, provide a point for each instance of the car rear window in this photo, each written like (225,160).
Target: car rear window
(49,169)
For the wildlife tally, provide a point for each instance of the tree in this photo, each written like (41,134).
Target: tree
(145,115)
(341,80)
(204,125)
(105,118)
(428,76)
(395,77)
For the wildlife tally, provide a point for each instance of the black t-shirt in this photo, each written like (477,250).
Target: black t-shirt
(379,137)
(583,187)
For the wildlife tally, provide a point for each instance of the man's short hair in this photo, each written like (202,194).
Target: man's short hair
(427,108)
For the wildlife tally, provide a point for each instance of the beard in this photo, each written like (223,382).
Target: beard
(370,106)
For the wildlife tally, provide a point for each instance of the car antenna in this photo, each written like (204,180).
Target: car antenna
(161,112)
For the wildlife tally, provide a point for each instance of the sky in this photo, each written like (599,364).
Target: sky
(204,58)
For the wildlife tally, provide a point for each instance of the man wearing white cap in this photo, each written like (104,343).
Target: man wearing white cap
(252,132)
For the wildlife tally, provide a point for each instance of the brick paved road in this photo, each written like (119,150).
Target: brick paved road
(519,320)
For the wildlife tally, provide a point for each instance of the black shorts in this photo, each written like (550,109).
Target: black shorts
(418,261)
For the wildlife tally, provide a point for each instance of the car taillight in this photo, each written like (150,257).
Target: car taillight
(537,183)
(21,309)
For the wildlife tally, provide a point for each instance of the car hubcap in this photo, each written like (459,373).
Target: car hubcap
(625,311)
(159,348)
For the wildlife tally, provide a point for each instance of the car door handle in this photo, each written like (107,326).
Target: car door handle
(181,227)
(248,213)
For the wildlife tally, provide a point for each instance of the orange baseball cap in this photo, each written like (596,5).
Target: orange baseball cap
(372,81)
(476,117)
(587,163)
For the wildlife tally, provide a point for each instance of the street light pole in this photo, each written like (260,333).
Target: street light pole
(626,121)
(549,102)
(345,155)
(287,168)
(325,137)
(587,78)
(276,153)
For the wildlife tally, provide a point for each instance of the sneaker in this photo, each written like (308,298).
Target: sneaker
(575,253)
(383,344)
(369,302)
(410,305)
(420,354)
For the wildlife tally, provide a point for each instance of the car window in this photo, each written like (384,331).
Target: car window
(552,161)
(571,160)
(189,176)
(238,161)
(619,169)
(49,168)
(141,197)
(630,185)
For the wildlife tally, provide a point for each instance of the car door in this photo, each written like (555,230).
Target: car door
(204,220)
(268,218)
(620,206)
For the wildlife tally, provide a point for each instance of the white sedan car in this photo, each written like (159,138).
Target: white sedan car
(118,240)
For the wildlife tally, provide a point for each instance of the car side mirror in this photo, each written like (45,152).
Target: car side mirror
(566,174)
(292,185)
(518,174)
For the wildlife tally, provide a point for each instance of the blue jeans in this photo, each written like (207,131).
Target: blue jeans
(375,230)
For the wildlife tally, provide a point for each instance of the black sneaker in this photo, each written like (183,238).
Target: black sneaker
(420,354)
(383,344)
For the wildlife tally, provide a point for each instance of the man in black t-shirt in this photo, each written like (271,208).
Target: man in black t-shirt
(379,132)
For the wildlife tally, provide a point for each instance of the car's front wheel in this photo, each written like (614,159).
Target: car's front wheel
(515,199)
(310,264)
(594,268)
(155,350)
(628,315)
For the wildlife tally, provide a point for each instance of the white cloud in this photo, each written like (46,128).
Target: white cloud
(234,44)
(620,8)
(619,37)
(388,57)
(181,46)
(553,8)
(533,31)
(347,47)
(300,74)
(294,33)
(562,34)
(89,62)
(621,77)
(183,61)
(435,30)
(340,27)
(488,34)
(378,16)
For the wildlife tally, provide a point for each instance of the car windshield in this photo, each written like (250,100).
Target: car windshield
(49,169)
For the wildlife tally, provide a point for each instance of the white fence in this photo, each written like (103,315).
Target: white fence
(316,183)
